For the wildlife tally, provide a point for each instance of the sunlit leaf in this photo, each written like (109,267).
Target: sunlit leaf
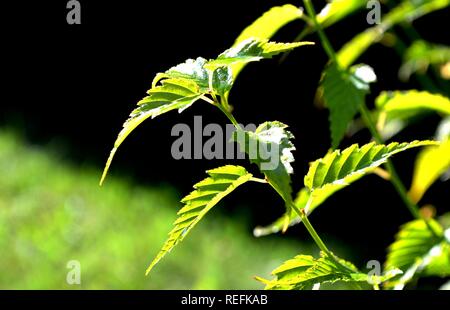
(266,26)
(172,94)
(221,182)
(336,10)
(431,163)
(406,11)
(397,109)
(350,165)
(417,250)
(304,271)
(344,92)
(270,148)
(341,168)
(182,85)
(252,49)
(398,104)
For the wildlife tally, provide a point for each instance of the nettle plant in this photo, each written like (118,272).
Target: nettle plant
(422,246)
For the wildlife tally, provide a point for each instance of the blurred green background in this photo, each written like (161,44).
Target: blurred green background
(52,212)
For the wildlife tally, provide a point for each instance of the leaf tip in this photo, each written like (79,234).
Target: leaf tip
(108,164)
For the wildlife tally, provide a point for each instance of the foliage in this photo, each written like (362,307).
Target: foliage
(305,272)
(405,11)
(421,247)
(419,250)
(207,194)
(344,93)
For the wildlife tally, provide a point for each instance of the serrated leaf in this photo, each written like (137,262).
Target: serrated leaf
(182,85)
(420,55)
(344,92)
(266,26)
(339,169)
(221,182)
(270,148)
(252,49)
(430,164)
(195,70)
(172,94)
(303,272)
(406,11)
(417,250)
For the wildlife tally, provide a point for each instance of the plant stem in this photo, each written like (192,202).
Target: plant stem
(259,180)
(395,179)
(227,114)
(311,230)
(323,38)
(390,167)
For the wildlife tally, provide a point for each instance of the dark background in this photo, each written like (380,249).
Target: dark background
(73,86)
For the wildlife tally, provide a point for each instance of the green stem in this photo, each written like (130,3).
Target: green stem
(311,230)
(394,178)
(258,180)
(323,38)
(227,114)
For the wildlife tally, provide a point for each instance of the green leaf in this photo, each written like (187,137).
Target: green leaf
(420,55)
(344,93)
(270,148)
(396,109)
(252,49)
(417,250)
(182,85)
(406,11)
(337,10)
(395,104)
(341,168)
(303,272)
(221,182)
(431,163)
(172,94)
(195,70)
(336,161)
(266,26)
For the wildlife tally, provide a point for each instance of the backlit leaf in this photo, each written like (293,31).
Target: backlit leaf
(431,163)
(172,94)
(406,11)
(252,49)
(303,272)
(266,26)
(417,250)
(344,92)
(221,182)
(270,148)
(339,169)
